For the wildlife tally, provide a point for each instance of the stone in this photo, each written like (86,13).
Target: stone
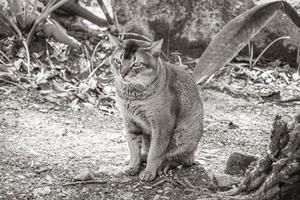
(225,181)
(188,26)
(238,163)
(185,26)
(41,191)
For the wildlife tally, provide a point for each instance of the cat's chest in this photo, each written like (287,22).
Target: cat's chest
(138,112)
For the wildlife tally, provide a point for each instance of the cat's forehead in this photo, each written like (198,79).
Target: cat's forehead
(130,48)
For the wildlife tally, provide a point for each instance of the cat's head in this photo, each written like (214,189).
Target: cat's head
(133,62)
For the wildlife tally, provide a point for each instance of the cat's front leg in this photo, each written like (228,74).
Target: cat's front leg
(157,153)
(134,139)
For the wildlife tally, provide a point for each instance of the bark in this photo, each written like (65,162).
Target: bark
(277,174)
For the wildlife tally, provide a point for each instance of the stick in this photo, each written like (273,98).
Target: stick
(103,7)
(158,183)
(10,82)
(86,182)
(188,183)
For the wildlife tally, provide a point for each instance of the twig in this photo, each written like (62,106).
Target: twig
(280,38)
(181,183)
(171,181)
(93,72)
(87,55)
(10,82)
(93,54)
(124,31)
(189,190)
(5,90)
(137,185)
(169,36)
(2,62)
(115,18)
(47,11)
(138,35)
(28,57)
(103,7)
(14,26)
(251,54)
(86,182)
(188,183)
(292,99)
(158,183)
(5,56)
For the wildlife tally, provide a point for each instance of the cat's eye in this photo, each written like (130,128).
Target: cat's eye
(117,61)
(137,64)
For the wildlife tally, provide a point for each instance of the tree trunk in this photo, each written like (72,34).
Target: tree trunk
(277,174)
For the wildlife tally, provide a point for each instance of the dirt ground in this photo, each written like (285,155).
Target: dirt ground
(44,146)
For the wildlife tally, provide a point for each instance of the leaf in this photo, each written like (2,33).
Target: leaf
(236,35)
(53,29)
(296,76)
(85,175)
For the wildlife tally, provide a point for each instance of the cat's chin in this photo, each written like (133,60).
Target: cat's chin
(126,81)
(130,82)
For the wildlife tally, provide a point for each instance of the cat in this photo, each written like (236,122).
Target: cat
(160,105)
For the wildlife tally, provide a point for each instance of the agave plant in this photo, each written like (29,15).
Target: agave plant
(24,18)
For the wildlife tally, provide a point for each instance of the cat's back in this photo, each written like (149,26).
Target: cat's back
(180,81)
(184,89)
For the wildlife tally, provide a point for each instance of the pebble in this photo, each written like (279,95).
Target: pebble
(128,195)
(43,110)
(41,191)
(167,190)
(159,191)
(67,122)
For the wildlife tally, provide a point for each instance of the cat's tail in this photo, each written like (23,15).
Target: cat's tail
(236,35)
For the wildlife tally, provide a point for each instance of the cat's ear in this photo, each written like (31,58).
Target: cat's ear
(155,47)
(115,42)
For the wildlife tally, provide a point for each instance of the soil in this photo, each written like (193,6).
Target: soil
(44,146)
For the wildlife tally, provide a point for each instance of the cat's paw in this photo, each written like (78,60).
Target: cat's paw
(131,170)
(164,168)
(147,175)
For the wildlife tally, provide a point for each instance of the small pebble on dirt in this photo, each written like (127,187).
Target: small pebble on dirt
(159,191)
(167,190)
(68,122)
(42,191)
(156,197)
(43,110)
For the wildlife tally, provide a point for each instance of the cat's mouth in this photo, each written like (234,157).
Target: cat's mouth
(125,79)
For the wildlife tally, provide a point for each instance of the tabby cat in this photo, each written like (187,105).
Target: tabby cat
(160,106)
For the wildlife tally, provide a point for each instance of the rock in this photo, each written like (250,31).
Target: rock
(41,191)
(224,181)
(43,110)
(85,175)
(168,190)
(159,191)
(156,197)
(68,122)
(189,26)
(238,163)
(127,196)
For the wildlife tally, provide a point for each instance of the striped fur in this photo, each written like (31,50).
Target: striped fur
(161,109)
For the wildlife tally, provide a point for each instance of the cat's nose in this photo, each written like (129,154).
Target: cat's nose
(124,73)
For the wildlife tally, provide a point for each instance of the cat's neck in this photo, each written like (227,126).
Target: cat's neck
(129,91)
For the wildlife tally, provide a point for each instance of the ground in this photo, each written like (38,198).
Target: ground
(44,146)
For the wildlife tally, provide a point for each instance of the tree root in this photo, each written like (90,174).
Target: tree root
(277,174)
